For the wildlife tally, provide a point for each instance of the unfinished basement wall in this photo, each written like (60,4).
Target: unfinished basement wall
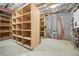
(58,26)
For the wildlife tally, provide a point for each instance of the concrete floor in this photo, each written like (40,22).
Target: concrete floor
(48,47)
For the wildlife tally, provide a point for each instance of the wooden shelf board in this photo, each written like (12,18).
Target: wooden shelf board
(14,35)
(21,22)
(28,38)
(19,36)
(4,20)
(22,37)
(23,14)
(18,29)
(27,13)
(26,22)
(18,23)
(25,30)
(4,25)
(4,31)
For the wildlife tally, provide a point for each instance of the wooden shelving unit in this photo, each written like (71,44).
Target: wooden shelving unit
(4,27)
(42,26)
(26,26)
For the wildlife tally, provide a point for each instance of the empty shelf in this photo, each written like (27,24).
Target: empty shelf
(24,45)
(4,31)
(28,38)
(27,8)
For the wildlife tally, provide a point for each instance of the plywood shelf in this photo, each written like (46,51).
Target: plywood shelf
(21,22)
(4,31)
(26,30)
(28,38)
(26,22)
(4,27)
(22,15)
(26,26)
(18,30)
(17,35)
(3,20)
(42,26)
(28,13)
(18,23)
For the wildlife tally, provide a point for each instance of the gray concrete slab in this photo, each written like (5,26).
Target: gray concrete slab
(48,47)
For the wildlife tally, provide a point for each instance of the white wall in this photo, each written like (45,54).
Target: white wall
(76,18)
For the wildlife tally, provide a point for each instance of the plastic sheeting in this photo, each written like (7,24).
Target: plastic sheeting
(58,26)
